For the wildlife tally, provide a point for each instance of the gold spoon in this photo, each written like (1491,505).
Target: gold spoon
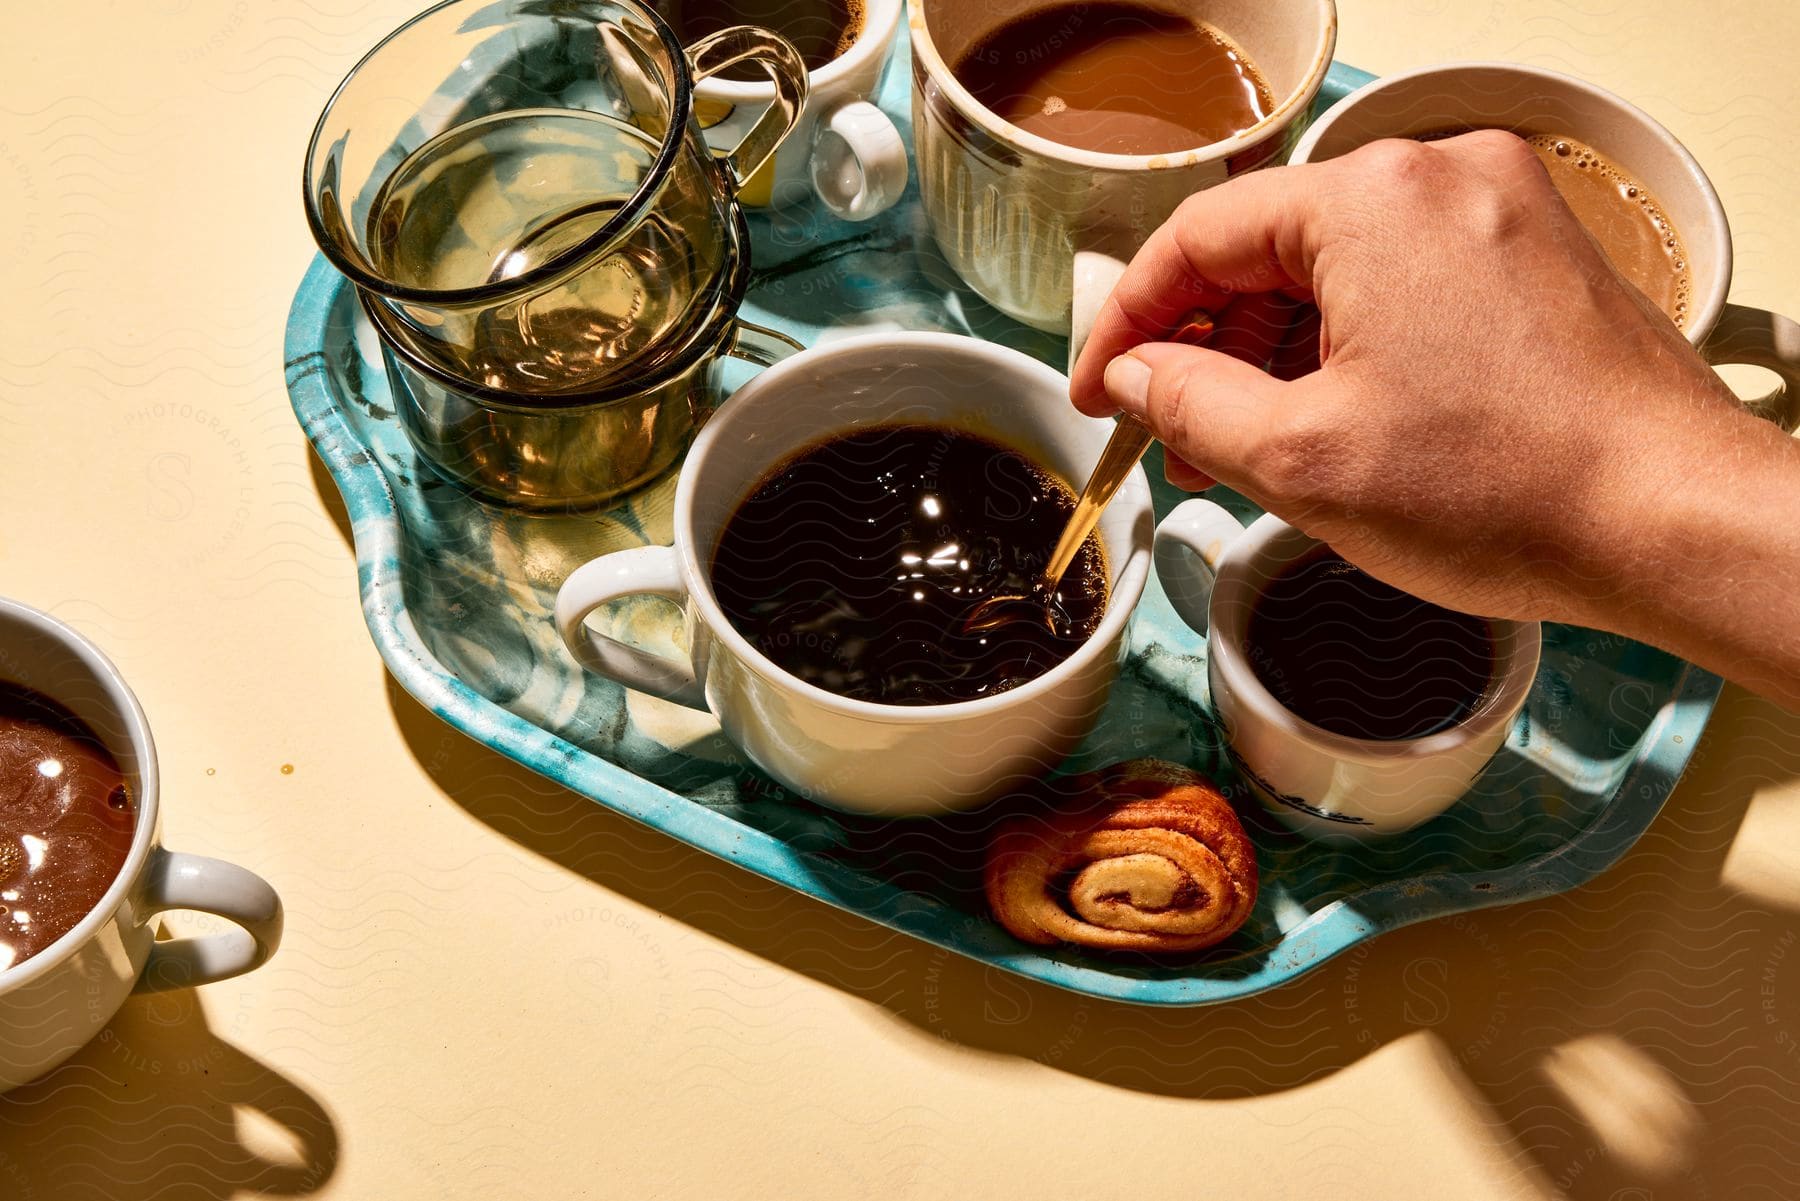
(1130,439)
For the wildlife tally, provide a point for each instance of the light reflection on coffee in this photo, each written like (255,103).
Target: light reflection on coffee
(855,565)
(66,821)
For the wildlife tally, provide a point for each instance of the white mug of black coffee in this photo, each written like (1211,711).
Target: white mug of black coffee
(835,526)
(1351,708)
(82,868)
(1636,188)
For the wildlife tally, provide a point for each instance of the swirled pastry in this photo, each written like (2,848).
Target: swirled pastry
(1149,858)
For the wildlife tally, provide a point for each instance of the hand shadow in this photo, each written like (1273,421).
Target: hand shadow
(158,1105)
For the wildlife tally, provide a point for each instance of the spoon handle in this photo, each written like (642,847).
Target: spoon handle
(1130,439)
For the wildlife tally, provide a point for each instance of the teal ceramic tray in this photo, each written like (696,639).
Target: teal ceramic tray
(458,597)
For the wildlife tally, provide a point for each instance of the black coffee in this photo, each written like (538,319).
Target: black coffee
(819,29)
(1361,658)
(855,565)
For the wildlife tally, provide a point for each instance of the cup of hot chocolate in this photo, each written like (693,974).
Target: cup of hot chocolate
(1052,138)
(83,872)
(836,526)
(1635,187)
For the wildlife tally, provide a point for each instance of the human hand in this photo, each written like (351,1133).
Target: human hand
(1493,420)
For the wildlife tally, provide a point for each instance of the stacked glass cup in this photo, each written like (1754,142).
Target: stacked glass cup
(550,253)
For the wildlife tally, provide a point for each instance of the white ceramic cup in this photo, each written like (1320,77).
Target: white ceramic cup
(1532,100)
(1042,230)
(54,1002)
(883,759)
(1321,784)
(844,150)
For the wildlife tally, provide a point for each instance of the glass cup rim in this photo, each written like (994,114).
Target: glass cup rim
(757,91)
(352,263)
(1124,593)
(135,728)
(702,342)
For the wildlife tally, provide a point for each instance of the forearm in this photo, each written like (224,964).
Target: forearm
(1713,573)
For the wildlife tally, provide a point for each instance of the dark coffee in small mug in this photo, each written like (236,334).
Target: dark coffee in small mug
(1323,769)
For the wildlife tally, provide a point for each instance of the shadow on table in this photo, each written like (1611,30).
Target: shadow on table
(1641,1032)
(1638,1037)
(159,1106)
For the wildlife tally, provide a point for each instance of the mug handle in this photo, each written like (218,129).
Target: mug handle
(174,880)
(1761,339)
(777,56)
(648,571)
(1189,544)
(1096,274)
(858,161)
(754,344)
(759,344)
(640,571)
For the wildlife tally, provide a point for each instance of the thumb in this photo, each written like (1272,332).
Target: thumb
(1211,410)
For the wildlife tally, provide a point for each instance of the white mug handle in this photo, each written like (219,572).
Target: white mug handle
(858,161)
(173,880)
(1189,544)
(1096,274)
(640,571)
(1761,339)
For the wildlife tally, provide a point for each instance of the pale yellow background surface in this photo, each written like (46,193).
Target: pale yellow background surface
(493,988)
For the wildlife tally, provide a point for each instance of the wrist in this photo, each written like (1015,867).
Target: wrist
(1699,552)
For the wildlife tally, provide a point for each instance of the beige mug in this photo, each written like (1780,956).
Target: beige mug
(1532,100)
(1042,230)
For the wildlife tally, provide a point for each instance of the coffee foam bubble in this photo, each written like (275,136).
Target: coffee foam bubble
(856,19)
(1586,158)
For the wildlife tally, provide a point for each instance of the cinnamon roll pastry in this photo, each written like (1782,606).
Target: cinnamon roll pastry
(1149,857)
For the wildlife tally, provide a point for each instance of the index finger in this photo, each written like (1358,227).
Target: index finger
(1255,233)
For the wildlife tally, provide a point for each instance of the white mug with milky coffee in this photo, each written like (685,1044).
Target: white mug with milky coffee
(1532,100)
(53,1002)
(1042,230)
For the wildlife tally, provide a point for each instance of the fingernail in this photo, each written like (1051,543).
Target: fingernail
(1128,384)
